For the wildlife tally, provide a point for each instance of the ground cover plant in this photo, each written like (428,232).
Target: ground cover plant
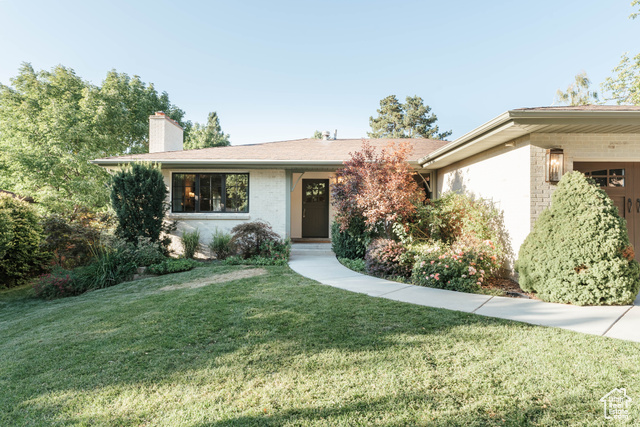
(169,266)
(279,349)
(578,251)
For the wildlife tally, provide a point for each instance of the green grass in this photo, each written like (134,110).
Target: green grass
(280,349)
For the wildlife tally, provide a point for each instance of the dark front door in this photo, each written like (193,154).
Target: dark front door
(621,181)
(315,208)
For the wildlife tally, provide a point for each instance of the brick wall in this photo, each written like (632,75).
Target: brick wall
(267,201)
(577,147)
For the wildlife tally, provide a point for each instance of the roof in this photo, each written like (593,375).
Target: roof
(299,152)
(523,121)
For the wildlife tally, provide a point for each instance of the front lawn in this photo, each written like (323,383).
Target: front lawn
(276,348)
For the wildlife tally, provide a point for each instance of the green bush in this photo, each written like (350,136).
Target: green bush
(255,260)
(249,237)
(578,251)
(70,238)
(142,254)
(220,245)
(108,268)
(190,243)
(353,264)
(173,266)
(460,221)
(457,269)
(351,243)
(384,258)
(20,238)
(138,197)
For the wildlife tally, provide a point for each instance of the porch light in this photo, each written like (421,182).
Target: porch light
(554,164)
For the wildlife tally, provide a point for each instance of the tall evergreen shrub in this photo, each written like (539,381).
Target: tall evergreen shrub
(351,243)
(138,197)
(20,237)
(578,251)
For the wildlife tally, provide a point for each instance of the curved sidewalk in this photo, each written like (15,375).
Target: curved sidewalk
(611,321)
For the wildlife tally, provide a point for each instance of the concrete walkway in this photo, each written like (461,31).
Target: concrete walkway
(317,262)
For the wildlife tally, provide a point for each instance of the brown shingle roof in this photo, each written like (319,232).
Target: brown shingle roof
(583,108)
(306,150)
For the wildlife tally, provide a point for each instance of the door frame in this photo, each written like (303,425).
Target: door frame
(325,210)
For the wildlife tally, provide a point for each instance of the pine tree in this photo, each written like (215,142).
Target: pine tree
(408,120)
(138,197)
(208,135)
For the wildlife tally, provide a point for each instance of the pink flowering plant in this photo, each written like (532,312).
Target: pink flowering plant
(56,284)
(457,269)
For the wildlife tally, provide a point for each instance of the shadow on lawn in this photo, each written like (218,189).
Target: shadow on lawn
(122,337)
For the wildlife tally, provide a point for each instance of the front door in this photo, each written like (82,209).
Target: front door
(621,181)
(315,208)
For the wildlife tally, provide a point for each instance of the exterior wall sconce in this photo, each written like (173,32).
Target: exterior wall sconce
(554,164)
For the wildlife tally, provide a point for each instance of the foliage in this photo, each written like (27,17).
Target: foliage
(578,93)
(460,221)
(376,186)
(624,86)
(108,268)
(634,15)
(384,258)
(356,265)
(317,135)
(190,243)
(351,243)
(138,197)
(59,283)
(408,120)
(206,135)
(220,245)
(70,238)
(142,253)
(20,238)
(172,266)
(578,251)
(257,260)
(248,238)
(53,123)
(454,269)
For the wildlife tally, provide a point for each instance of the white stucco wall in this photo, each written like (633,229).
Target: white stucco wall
(267,201)
(296,201)
(577,147)
(500,175)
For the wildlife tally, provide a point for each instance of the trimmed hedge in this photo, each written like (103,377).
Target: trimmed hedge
(579,251)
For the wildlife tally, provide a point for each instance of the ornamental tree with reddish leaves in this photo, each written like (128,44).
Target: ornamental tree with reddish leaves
(376,186)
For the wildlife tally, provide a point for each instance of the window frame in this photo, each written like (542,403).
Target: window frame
(197,192)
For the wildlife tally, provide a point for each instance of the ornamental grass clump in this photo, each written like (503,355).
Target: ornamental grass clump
(579,251)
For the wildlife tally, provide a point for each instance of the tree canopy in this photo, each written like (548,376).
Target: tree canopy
(53,123)
(578,92)
(409,120)
(206,135)
(624,86)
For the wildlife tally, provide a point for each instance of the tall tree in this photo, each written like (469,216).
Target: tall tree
(52,123)
(624,86)
(635,14)
(207,135)
(578,92)
(317,135)
(408,120)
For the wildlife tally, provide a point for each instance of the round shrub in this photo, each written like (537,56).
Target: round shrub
(578,251)
(384,258)
(20,237)
(249,238)
(351,243)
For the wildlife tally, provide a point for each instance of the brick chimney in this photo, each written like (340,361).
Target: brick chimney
(164,134)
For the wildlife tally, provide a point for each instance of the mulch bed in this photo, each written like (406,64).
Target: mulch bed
(508,286)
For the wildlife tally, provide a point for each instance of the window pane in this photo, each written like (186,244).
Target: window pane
(602,182)
(210,192)
(183,192)
(616,172)
(237,193)
(616,181)
(601,172)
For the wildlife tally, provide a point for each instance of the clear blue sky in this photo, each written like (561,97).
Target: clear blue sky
(276,70)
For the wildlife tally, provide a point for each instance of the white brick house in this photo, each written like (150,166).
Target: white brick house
(284,183)
(505,160)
